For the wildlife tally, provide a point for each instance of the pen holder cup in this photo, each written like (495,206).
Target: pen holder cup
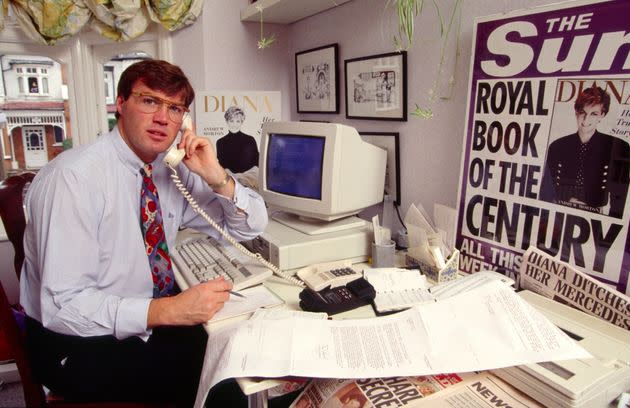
(449,272)
(383,255)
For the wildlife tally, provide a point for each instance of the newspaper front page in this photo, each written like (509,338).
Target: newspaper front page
(482,390)
(373,392)
(557,280)
(546,159)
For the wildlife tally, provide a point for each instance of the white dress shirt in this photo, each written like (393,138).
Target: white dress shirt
(86,271)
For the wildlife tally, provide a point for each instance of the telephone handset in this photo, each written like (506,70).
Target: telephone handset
(173,157)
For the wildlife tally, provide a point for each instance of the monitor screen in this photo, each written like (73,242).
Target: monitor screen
(295,165)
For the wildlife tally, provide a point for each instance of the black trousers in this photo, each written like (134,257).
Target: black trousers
(166,368)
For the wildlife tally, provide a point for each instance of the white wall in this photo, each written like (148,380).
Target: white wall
(221,53)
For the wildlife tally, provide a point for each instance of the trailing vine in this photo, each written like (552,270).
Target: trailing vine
(264,42)
(407,11)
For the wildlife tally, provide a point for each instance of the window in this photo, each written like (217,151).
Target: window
(59,76)
(58,134)
(108,73)
(33,86)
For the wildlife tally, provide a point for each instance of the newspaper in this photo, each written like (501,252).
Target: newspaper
(484,328)
(520,183)
(559,281)
(373,392)
(482,390)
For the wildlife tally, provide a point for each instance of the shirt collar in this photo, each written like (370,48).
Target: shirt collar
(125,154)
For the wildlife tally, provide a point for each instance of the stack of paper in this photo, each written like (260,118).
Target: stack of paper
(397,289)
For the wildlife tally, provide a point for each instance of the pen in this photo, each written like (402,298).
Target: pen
(237,294)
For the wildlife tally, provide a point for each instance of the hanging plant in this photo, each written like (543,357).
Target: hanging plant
(407,11)
(264,42)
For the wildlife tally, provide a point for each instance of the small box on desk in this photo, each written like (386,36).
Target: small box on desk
(432,272)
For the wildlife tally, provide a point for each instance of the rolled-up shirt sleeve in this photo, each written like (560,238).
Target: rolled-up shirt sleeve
(243,217)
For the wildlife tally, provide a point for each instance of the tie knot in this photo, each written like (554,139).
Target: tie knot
(147,170)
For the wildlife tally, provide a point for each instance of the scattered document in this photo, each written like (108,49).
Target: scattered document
(277,313)
(466,283)
(486,327)
(446,223)
(255,297)
(417,215)
(397,289)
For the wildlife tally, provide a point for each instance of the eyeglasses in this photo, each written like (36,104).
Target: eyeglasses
(151,104)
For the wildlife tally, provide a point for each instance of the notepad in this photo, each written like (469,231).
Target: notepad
(256,297)
(397,289)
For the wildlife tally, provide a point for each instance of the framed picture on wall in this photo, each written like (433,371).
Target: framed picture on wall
(389,142)
(316,82)
(376,87)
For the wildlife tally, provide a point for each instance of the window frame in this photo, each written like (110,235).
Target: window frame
(83,55)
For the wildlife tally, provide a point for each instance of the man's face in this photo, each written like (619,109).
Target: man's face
(234,123)
(147,134)
(588,118)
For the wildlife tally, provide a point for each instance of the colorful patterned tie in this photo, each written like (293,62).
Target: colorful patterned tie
(154,239)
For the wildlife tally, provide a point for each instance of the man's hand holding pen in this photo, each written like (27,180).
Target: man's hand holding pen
(195,305)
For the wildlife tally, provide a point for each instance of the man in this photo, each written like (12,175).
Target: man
(96,328)
(588,170)
(237,151)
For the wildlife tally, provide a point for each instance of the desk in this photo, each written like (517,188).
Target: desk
(256,390)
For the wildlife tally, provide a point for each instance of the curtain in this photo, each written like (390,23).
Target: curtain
(119,20)
(49,21)
(4,8)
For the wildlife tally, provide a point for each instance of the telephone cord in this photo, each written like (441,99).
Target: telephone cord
(257,256)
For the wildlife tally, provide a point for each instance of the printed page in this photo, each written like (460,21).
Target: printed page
(395,279)
(255,297)
(397,289)
(466,283)
(484,328)
(557,280)
(482,390)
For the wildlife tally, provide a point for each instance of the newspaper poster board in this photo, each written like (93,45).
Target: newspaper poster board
(233,121)
(373,392)
(545,160)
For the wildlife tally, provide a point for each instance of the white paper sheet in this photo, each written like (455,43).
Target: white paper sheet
(397,289)
(484,328)
(256,297)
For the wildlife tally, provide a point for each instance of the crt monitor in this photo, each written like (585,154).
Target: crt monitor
(319,174)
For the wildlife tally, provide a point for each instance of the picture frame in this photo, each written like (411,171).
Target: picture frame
(376,87)
(317,80)
(390,142)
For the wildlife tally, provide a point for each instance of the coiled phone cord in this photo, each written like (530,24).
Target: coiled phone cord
(257,256)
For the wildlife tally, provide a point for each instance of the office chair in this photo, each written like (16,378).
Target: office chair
(12,215)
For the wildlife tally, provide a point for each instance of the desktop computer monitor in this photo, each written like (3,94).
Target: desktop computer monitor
(318,175)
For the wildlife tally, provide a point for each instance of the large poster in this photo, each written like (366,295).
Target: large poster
(547,152)
(233,121)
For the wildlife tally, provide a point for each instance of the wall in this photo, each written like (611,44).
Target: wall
(430,148)
(221,53)
(225,56)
